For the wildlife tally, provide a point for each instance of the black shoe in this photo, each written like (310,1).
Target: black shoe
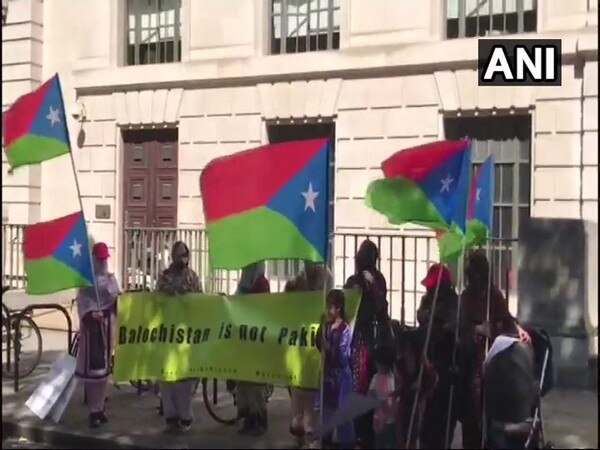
(257,430)
(102,418)
(247,426)
(94,420)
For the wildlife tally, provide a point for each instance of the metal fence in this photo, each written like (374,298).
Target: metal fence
(403,260)
(13,263)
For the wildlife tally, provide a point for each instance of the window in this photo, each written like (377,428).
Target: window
(285,270)
(304,25)
(153,31)
(472,18)
(508,139)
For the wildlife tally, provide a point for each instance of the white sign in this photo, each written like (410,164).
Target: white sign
(47,394)
(500,344)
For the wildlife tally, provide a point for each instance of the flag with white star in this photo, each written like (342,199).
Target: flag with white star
(479,216)
(35,127)
(426,185)
(57,255)
(267,203)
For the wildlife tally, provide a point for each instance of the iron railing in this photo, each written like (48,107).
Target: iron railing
(403,260)
(13,264)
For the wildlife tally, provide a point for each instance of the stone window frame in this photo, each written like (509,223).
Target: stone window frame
(310,25)
(481,18)
(162,27)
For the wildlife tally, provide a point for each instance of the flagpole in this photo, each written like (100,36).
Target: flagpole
(328,260)
(80,202)
(487,338)
(460,286)
(489,292)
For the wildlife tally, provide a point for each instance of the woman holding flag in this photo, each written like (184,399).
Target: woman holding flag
(96,307)
(371,328)
(480,298)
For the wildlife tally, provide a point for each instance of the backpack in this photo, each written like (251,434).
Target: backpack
(541,344)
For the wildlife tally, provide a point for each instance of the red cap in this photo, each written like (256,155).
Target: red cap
(100,251)
(433,274)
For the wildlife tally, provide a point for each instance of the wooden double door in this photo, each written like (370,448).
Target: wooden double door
(150,178)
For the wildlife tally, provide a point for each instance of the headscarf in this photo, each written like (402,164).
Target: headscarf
(179,252)
(178,278)
(477,270)
(250,274)
(366,257)
(106,285)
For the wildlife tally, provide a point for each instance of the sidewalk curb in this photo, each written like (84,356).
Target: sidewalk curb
(50,434)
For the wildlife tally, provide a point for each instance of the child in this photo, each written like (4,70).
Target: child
(337,380)
(302,400)
(383,385)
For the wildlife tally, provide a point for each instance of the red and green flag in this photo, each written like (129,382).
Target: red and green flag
(35,128)
(426,185)
(267,203)
(479,216)
(57,255)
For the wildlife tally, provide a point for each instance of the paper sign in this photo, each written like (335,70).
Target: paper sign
(61,404)
(355,405)
(500,344)
(54,384)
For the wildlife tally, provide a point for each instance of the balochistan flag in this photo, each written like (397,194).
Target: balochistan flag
(427,185)
(57,255)
(479,216)
(35,128)
(267,203)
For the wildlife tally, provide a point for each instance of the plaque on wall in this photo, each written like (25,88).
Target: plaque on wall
(102,211)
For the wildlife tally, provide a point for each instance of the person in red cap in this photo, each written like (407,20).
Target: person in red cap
(443,315)
(96,317)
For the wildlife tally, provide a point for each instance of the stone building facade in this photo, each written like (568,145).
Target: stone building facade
(223,76)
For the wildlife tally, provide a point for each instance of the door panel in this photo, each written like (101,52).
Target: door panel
(150,178)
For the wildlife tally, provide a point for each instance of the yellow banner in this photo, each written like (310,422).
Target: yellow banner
(264,338)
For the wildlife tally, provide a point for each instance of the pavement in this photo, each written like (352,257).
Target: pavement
(570,417)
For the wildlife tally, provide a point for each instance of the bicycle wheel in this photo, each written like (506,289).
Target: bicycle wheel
(225,410)
(29,347)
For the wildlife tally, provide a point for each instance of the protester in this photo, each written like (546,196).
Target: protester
(315,277)
(409,351)
(251,397)
(176,396)
(335,342)
(440,353)
(474,310)
(96,307)
(371,327)
(383,385)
